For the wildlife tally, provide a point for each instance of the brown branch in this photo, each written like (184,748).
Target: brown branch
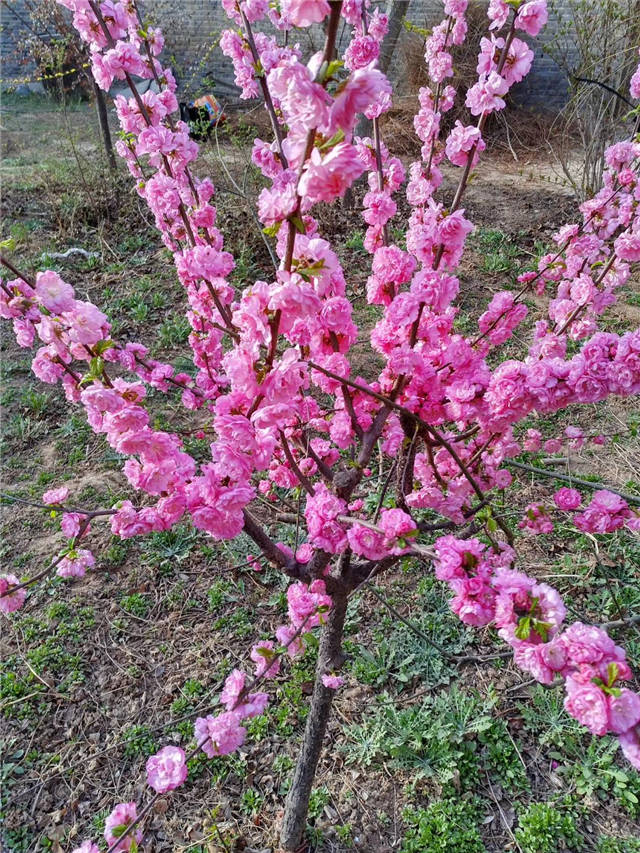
(305,482)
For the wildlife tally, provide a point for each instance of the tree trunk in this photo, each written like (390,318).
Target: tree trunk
(396,10)
(101,108)
(329,657)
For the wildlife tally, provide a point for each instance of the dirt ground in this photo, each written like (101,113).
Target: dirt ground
(99,673)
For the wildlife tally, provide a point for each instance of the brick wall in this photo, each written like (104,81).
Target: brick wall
(192,27)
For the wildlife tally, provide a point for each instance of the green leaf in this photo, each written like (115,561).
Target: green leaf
(103,346)
(298,224)
(337,137)
(272,230)
(332,67)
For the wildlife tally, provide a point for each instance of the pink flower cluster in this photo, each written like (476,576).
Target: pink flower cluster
(117,822)
(224,733)
(529,616)
(536,519)
(605,513)
(10,599)
(167,769)
(272,373)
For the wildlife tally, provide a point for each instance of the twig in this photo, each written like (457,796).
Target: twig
(554,475)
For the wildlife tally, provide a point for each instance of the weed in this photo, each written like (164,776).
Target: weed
(356,241)
(251,801)
(174,331)
(282,764)
(318,800)
(435,739)
(164,549)
(139,741)
(399,654)
(446,826)
(344,832)
(618,845)
(547,828)
(35,402)
(136,604)
(219,593)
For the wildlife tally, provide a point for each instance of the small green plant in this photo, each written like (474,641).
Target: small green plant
(319,799)
(35,402)
(345,833)
(136,604)
(356,241)
(618,845)
(139,741)
(446,826)
(219,593)
(437,739)
(174,331)
(251,801)
(547,828)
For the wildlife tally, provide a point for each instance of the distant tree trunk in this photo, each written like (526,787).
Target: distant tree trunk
(396,10)
(101,108)
(329,657)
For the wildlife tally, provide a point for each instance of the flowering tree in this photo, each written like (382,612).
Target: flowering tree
(274,387)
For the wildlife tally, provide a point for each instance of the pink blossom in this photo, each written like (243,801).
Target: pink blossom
(484,96)
(326,178)
(630,745)
(55,496)
(362,51)
(627,246)
(233,686)
(498,13)
(533,441)
(321,513)
(267,662)
(303,13)
(461,142)
(219,735)
(308,604)
(55,294)
(624,710)
(567,499)
(167,769)
(536,519)
(117,822)
(75,564)
(87,847)
(587,703)
(333,682)
(289,637)
(587,644)
(532,16)
(366,542)
(363,89)
(606,512)
(70,524)
(10,601)
(474,601)
(398,528)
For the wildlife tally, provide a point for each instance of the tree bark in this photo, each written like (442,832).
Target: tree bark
(329,657)
(101,109)
(396,10)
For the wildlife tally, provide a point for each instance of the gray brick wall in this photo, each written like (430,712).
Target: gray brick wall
(191,30)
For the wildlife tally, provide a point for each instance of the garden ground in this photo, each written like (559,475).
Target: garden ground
(427,753)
